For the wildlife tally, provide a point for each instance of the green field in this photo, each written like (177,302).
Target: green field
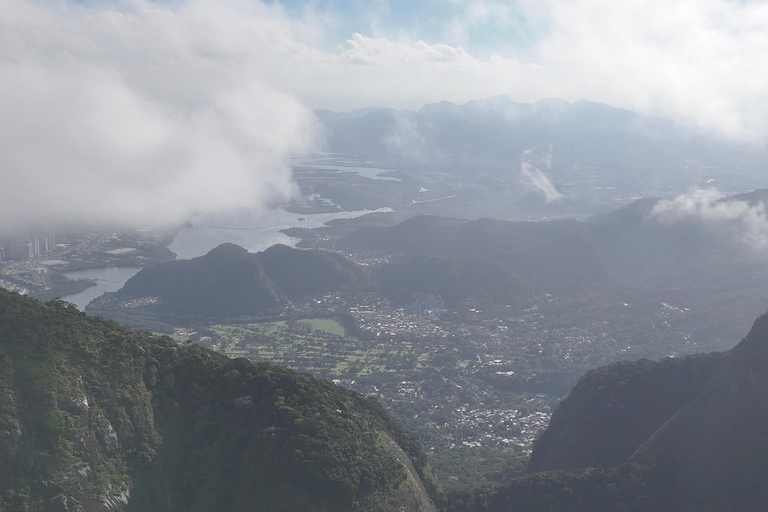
(317,345)
(329,325)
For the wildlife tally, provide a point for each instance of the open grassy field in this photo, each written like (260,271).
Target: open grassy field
(329,325)
(317,345)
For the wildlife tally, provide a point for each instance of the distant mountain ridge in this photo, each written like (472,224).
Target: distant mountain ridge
(567,254)
(499,129)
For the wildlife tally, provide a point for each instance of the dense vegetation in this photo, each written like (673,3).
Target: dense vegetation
(631,488)
(708,454)
(96,416)
(99,416)
(229,282)
(453,278)
(614,409)
(297,273)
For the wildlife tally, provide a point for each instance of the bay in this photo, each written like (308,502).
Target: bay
(254,230)
(373,173)
(108,279)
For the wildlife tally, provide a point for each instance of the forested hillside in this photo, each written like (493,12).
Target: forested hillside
(97,416)
(230,282)
(683,436)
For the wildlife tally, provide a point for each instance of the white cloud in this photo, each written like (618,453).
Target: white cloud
(139,112)
(532,172)
(386,53)
(142,116)
(739,219)
(699,61)
(409,74)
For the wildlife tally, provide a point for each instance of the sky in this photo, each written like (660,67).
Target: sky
(141,112)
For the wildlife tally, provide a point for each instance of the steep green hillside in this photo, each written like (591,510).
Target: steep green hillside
(715,448)
(453,278)
(298,272)
(97,416)
(615,409)
(231,282)
(626,489)
(226,282)
(705,426)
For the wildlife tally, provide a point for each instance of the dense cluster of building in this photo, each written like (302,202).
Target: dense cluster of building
(28,247)
(394,322)
(495,428)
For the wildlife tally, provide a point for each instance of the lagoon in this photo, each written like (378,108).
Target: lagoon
(254,230)
(109,279)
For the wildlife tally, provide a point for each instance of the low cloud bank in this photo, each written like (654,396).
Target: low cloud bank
(139,117)
(738,219)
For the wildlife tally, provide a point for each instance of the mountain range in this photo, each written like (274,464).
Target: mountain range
(500,130)
(231,282)
(632,242)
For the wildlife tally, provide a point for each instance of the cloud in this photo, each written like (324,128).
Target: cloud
(739,219)
(141,112)
(702,62)
(143,115)
(405,135)
(532,175)
(409,74)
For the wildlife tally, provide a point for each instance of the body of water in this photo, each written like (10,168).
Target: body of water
(108,279)
(373,173)
(254,230)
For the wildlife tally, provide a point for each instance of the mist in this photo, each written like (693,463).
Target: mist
(533,167)
(734,219)
(138,118)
